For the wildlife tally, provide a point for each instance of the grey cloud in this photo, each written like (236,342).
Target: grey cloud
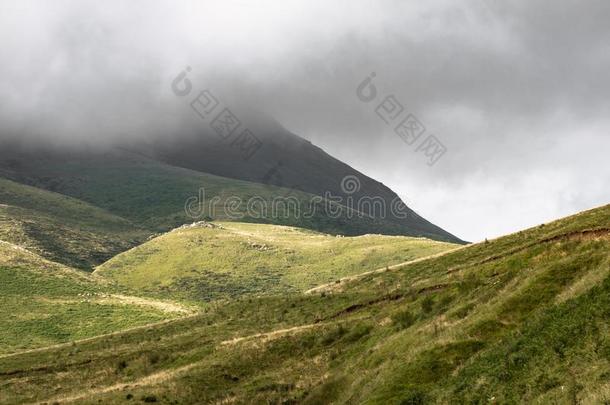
(514,89)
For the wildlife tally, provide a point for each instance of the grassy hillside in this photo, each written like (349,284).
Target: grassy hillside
(521,319)
(153,195)
(217,260)
(61,228)
(45,303)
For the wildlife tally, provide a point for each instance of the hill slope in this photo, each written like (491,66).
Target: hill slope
(523,318)
(45,303)
(61,228)
(228,259)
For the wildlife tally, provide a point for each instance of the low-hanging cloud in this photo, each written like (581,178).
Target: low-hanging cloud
(517,91)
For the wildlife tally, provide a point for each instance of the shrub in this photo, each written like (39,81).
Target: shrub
(122,365)
(414,396)
(358,332)
(427,305)
(403,319)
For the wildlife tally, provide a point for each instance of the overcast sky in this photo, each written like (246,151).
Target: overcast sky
(517,91)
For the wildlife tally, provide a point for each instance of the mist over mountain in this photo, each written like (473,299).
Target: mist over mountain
(512,90)
(269,202)
(271,157)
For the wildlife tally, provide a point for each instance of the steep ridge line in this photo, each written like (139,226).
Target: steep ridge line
(575,234)
(598,232)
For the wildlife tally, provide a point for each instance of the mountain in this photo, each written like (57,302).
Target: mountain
(279,157)
(520,319)
(151,193)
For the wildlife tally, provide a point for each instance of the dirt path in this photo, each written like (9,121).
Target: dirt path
(274,334)
(266,336)
(93,338)
(335,285)
(114,299)
(165,306)
(152,379)
(166,375)
(588,233)
(582,235)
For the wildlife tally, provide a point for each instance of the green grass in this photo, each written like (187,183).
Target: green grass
(61,228)
(232,259)
(521,319)
(45,303)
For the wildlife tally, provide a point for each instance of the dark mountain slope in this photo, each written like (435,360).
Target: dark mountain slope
(286,160)
(152,194)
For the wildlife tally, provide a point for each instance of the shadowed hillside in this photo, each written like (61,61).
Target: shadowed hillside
(152,194)
(61,228)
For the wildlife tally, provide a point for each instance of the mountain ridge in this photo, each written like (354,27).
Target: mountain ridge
(80,174)
(282,160)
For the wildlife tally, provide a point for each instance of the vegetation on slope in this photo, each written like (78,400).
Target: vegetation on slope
(227,260)
(519,319)
(45,303)
(61,228)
